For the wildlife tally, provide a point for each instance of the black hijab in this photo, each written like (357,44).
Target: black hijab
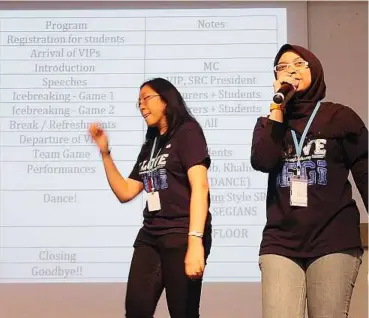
(332,120)
(300,106)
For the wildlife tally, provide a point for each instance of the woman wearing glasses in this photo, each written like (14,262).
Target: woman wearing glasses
(172,246)
(311,248)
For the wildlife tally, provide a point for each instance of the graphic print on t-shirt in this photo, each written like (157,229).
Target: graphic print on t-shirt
(313,165)
(155,172)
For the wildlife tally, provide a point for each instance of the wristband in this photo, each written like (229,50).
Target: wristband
(274,106)
(195,233)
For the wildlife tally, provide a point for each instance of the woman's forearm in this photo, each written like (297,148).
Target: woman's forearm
(123,189)
(199,207)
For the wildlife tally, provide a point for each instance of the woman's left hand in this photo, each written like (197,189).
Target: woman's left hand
(195,258)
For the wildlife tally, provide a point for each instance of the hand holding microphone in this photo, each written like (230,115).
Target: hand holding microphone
(282,87)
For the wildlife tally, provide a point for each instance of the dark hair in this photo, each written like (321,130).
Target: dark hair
(176,110)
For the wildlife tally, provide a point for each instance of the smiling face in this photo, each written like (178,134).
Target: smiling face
(152,108)
(297,69)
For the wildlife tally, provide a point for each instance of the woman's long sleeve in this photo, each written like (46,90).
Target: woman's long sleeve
(266,149)
(356,151)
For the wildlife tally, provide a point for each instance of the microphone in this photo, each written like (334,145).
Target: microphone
(281,94)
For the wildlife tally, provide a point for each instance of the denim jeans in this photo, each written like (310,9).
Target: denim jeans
(325,284)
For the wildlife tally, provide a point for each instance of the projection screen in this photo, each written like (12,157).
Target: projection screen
(66,241)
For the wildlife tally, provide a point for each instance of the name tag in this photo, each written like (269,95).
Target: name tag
(153,201)
(298,191)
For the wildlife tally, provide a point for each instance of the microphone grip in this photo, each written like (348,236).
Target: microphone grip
(281,94)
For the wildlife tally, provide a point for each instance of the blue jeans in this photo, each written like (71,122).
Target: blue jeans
(325,283)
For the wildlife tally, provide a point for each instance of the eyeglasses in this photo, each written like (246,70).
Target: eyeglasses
(145,100)
(297,66)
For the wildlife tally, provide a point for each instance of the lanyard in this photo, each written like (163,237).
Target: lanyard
(298,146)
(151,163)
(152,151)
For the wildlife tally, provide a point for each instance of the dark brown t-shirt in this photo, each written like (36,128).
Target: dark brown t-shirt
(171,161)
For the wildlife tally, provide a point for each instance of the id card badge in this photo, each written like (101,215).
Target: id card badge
(298,191)
(153,201)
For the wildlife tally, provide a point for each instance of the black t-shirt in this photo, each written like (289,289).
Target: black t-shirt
(171,160)
(331,221)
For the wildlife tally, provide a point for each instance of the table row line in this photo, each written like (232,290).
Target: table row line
(142,38)
(139,51)
(194,94)
(77,210)
(113,270)
(243,278)
(121,110)
(17,237)
(209,65)
(101,255)
(91,176)
(203,80)
(18,148)
(146,23)
(121,138)
(121,124)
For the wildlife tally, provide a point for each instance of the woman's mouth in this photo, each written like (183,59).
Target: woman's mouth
(296,82)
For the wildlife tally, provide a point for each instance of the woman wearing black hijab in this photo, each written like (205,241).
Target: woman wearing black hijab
(311,248)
